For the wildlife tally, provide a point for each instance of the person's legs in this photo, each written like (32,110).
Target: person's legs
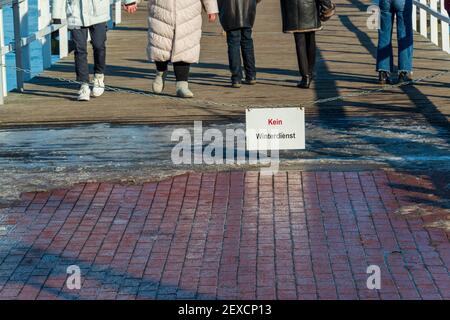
(248,54)
(98,41)
(181,71)
(306,57)
(182,77)
(79,37)
(161,74)
(385,57)
(162,66)
(405,38)
(302,53)
(234,54)
(311,51)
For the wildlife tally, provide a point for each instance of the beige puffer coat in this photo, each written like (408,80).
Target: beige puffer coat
(175,29)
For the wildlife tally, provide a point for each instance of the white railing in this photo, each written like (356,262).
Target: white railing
(23,38)
(433,22)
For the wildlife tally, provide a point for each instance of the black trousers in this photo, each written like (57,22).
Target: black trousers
(98,41)
(306,52)
(181,69)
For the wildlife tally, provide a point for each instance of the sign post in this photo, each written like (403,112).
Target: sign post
(275,128)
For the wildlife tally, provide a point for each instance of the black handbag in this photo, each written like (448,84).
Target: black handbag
(327,10)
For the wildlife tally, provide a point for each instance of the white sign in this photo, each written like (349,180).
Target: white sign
(275,128)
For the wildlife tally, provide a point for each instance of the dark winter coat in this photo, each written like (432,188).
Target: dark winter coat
(300,15)
(236,14)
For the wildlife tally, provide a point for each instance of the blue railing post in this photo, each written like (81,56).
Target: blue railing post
(3,90)
(44,20)
(18,46)
(20,18)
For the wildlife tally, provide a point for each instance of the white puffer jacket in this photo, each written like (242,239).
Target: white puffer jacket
(175,29)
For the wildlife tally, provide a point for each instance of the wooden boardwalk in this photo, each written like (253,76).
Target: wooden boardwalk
(346,64)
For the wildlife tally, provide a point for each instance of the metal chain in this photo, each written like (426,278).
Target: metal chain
(378,90)
(225,104)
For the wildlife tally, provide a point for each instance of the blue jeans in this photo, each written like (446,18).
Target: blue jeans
(240,40)
(402,9)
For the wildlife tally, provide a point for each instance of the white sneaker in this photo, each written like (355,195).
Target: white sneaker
(183,90)
(85,92)
(159,82)
(99,85)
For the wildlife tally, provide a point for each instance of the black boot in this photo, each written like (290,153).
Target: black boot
(250,81)
(384,78)
(305,83)
(404,77)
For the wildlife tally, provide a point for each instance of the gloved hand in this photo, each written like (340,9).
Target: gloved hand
(327,10)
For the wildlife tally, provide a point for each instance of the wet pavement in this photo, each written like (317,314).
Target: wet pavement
(232,235)
(44,158)
(365,192)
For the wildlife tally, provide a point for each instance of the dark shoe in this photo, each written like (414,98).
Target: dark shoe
(305,83)
(384,78)
(236,84)
(250,82)
(405,77)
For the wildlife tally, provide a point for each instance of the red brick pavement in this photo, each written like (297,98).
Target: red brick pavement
(232,235)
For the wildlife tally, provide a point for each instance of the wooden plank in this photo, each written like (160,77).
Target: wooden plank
(346,64)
